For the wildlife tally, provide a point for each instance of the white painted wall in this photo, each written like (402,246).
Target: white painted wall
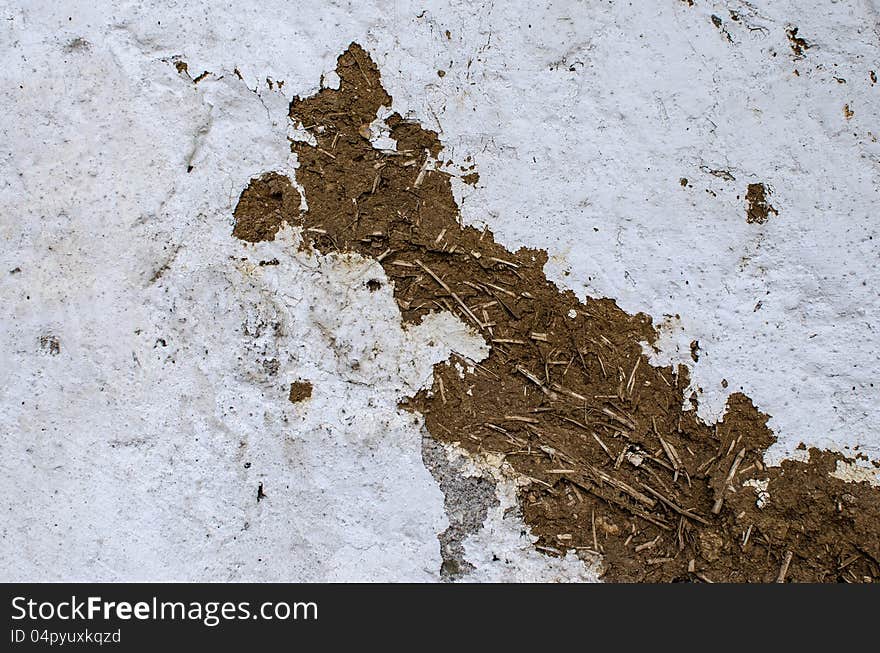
(121,458)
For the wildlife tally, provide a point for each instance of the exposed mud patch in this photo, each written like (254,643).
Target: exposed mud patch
(566,395)
(758,210)
(264,206)
(299,391)
(798,44)
(471,178)
(50,344)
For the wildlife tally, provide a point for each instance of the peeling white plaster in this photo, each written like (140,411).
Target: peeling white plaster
(760,486)
(136,452)
(380,134)
(856,473)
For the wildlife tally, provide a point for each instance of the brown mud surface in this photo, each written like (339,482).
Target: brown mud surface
(471,178)
(299,391)
(758,210)
(566,395)
(798,45)
(271,201)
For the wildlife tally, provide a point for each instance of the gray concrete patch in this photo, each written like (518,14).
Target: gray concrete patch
(467,502)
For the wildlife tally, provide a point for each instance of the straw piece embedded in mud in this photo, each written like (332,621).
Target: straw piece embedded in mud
(716,508)
(534,379)
(421,176)
(647,545)
(443,285)
(674,506)
(602,444)
(786,561)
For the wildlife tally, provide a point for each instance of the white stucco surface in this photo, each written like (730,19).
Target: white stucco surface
(134,451)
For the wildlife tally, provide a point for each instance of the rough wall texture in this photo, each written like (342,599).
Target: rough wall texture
(148,357)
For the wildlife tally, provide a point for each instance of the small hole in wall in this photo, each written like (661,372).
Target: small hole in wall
(374,285)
